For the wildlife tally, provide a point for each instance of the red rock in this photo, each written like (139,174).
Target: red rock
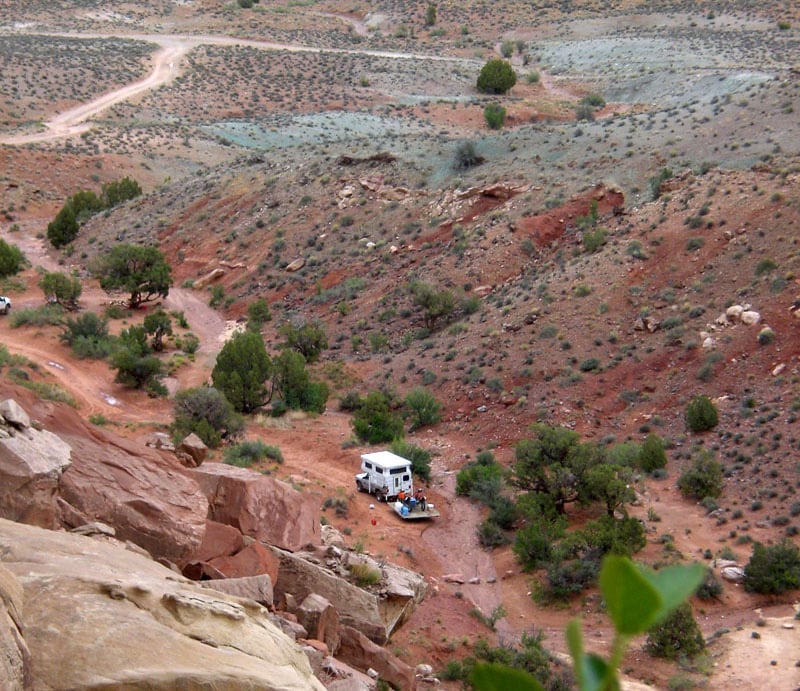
(219,540)
(253,560)
(269,510)
(357,650)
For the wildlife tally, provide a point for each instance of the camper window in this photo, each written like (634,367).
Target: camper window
(397,471)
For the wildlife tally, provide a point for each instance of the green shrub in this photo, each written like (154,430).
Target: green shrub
(773,569)
(701,414)
(206,412)
(247,453)
(481,481)
(422,408)
(374,422)
(495,116)
(677,636)
(364,574)
(496,77)
(593,240)
(420,458)
(703,478)
(46,315)
(11,259)
(652,455)
(710,588)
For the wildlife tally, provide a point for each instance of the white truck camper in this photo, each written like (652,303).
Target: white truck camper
(388,477)
(385,475)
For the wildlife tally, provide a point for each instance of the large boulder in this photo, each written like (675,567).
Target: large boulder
(320,619)
(253,560)
(144,494)
(357,650)
(259,506)
(15,663)
(258,588)
(32,462)
(376,613)
(97,615)
(219,540)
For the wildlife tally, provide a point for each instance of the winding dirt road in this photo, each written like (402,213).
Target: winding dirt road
(166,66)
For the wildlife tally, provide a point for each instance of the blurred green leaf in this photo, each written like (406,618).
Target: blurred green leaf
(633,602)
(493,677)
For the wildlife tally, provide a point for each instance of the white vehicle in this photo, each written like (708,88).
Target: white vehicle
(5,304)
(385,475)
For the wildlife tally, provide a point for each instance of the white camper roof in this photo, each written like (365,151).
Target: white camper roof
(386,459)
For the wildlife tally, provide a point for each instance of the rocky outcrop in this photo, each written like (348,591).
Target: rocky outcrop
(321,620)
(376,613)
(357,650)
(145,495)
(15,664)
(32,462)
(192,451)
(266,509)
(95,614)
(258,588)
(253,560)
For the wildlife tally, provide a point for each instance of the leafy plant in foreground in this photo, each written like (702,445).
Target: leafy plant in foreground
(636,599)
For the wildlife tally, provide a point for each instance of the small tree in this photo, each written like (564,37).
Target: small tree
(773,569)
(257,314)
(495,116)
(309,339)
(676,636)
(206,412)
(120,191)
(652,455)
(242,370)
(701,414)
(11,259)
(158,324)
(61,289)
(703,478)
(435,304)
(430,15)
(423,408)
(63,228)
(419,457)
(496,77)
(141,271)
(374,422)
(136,366)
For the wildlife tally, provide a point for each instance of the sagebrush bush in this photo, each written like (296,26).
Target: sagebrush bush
(703,478)
(773,569)
(701,414)
(677,636)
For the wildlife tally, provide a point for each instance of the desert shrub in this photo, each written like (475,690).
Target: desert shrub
(422,408)
(773,569)
(491,534)
(765,266)
(610,535)
(374,422)
(652,455)
(88,336)
(658,180)
(504,512)
(206,412)
(701,414)
(495,116)
(257,314)
(364,574)
(766,336)
(420,458)
(496,77)
(703,478)
(593,240)
(534,544)
(480,480)
(568,578)
(61,289)
(241,371)
(308,339)
(46,315)
(676,636)
(248,453)
(11,259)
(466,156)
(350,401)
(710,588)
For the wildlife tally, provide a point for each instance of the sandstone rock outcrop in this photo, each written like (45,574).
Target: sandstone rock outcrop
(266,509)
(357,650)
(32,462)
(375,613)
(95,614)
(15,664)
(145,495)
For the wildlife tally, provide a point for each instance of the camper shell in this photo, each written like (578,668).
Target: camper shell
(385,475)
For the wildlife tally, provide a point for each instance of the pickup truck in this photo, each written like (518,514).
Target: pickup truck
(5,304)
